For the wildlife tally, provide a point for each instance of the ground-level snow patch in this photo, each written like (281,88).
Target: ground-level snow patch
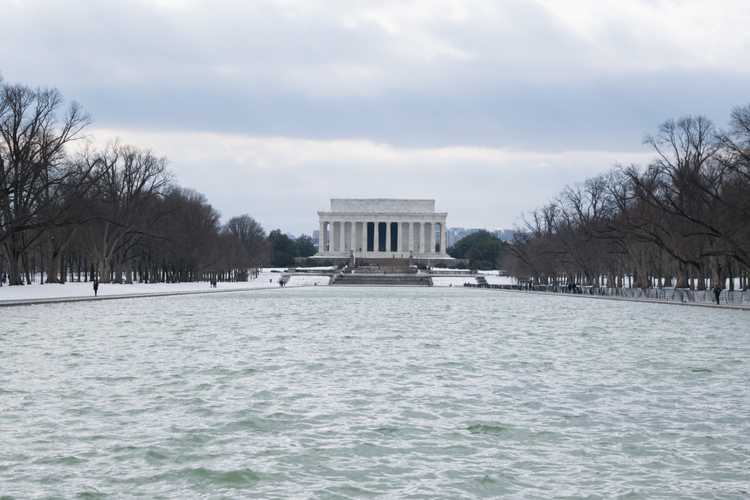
(453,280)
(301,280)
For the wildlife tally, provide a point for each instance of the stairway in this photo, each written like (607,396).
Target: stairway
(384,265)
(382,272)
(345,279)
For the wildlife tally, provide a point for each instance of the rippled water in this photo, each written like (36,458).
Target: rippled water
(400,393)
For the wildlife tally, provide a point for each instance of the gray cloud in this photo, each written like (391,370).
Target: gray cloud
(284,181)
(541,77)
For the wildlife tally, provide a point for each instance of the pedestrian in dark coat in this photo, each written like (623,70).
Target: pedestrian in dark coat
(717,293)
(96,287)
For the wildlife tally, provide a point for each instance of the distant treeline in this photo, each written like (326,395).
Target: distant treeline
(112,213)
(683,220)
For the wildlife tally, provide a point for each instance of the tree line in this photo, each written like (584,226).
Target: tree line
(683,220)
(71,211)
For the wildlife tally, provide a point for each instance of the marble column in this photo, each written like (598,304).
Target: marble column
(443,238)
(353,237)
(376,237)
(388,236)
(340,243)
(321,235)
(340,237)
(432,238)
(364,237)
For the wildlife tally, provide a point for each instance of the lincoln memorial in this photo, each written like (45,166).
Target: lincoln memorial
(382,228)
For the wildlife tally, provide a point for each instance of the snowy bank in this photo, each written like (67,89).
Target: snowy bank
(74,289)
(453,280)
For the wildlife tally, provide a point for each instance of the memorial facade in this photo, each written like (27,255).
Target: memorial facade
(382,228)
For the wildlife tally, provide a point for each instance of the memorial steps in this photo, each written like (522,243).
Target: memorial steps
(382,272)
(384,265)
(366,279)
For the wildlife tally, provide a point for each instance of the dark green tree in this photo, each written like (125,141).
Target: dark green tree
(305,246)
(283,249)
(482,249)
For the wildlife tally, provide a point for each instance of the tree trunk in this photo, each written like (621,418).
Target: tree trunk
(701,281)
(104,271)
(26,267)
(683,280)
(52,268)
(61,265)
(640,279)
(14,267)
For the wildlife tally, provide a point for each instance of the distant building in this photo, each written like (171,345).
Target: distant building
(456,233)
(507,234)
(392,228)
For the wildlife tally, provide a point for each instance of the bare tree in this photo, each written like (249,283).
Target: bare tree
(128,183)
(252,239)
(33,138)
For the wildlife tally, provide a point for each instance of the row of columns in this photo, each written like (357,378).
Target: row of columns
(415,237)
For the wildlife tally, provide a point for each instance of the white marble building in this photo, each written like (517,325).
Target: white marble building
(380,228)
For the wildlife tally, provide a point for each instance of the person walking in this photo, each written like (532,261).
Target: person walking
(96,287)
(717,293)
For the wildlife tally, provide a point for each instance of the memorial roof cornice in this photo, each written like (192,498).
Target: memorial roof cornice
(383,214)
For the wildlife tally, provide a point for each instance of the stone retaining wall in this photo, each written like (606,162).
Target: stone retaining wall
(686,295)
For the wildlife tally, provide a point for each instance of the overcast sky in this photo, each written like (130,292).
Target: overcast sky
(491,107)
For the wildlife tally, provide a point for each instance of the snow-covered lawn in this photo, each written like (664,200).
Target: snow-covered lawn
(49,291)
(449,270)
(453,280)
(460,280)
(500,280)
(301,280)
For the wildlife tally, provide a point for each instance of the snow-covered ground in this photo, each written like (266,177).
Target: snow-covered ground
(298,280)
(494,279)
(50,291)
(449,270)
(453,280)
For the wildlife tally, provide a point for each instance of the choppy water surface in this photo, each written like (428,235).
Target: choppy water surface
(401,393)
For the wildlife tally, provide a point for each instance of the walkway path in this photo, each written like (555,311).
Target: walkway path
(82,292)
(61,300)
(624,299)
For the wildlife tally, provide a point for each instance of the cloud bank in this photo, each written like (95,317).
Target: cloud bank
(457,100)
